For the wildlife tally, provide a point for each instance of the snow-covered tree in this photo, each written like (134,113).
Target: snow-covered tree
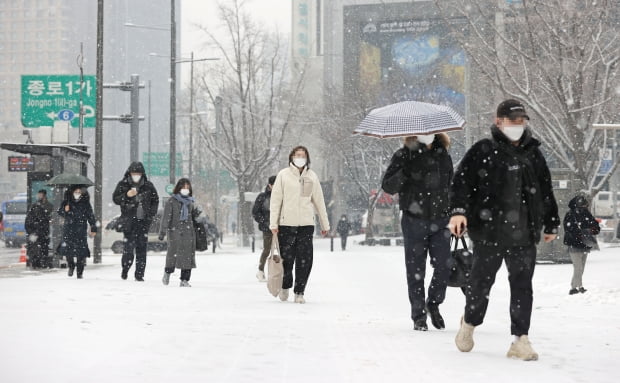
(254,100)
(559,57)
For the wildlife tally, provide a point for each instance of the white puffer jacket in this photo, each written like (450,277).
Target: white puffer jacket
(294,198)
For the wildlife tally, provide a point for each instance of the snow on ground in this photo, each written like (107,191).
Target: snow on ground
(355,326)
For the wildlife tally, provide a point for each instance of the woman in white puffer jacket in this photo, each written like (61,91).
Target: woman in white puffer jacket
(295,195)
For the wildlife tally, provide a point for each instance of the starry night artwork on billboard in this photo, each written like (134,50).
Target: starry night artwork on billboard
(409,59)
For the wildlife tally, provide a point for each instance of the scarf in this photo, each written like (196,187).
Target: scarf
(185,202)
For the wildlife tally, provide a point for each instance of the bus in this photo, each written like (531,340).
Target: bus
(14,212)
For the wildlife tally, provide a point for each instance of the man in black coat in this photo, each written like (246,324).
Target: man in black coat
(138,200)
(343,229)
(38,230)
(420,173)
(260,212)
(502,195)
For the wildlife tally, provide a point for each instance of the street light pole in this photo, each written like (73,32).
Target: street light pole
(99,134)
(191,114)
(218,121)
(173,97)
(149,133)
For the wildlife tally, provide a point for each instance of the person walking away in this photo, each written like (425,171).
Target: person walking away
(295,195)
(77,213)
(421,172)
(138,200)
(38,231)
(580,229)
(503,197)
(177,223)
(260,212)
(343,229)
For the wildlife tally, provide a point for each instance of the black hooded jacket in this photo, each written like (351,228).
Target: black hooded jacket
(580,227)
(505,191)
(421,177)
(147,197)
(260,210)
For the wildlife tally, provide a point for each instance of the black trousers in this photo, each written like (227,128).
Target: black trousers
(343,241)
(296,249)
(520,262)
(186,274)
(135,244)
(422,237)
(79,261)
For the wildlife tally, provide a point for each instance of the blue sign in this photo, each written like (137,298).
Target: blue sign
(66,115)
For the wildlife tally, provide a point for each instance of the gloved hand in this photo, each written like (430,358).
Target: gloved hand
(161,237)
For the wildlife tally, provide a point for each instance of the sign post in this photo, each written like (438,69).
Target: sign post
(49,98)
(158,163)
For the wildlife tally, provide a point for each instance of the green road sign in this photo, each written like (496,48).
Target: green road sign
(169,188)
(158,164)
(45,96)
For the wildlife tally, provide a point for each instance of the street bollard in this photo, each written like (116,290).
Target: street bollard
(253,244)
(331,245)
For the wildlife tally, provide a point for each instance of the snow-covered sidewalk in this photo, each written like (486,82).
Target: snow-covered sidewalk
(355,326)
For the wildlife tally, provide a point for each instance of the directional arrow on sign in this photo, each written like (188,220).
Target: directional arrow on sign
(52,115)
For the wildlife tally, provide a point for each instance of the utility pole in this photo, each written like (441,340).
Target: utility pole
(218,122)
(80,63)
(173,97)
(191,114)
(149,128)
(98,134)
(135,122)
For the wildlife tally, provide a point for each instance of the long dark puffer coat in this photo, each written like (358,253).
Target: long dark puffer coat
(580,227)
(147,198)
(421,177)
(505,191)
(74,231)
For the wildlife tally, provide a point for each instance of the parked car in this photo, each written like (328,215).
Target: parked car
(112,239)
(603,206)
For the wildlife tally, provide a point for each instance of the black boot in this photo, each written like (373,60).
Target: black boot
(124,274)
(573,291)
(436,318)
(420,325)
(582,290)
(70,271)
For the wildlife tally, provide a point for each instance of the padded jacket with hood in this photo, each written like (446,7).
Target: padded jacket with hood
(147,196)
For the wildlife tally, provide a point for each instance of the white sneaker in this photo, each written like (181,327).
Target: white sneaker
(165,279)
(283,295)
(185,284)
(465,337)
(299,298)
(522,349)
(260,275)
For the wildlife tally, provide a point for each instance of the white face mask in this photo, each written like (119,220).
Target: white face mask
(136,179)
(76,196)
(513,132)
(427,139)
(299,162)
(185,192)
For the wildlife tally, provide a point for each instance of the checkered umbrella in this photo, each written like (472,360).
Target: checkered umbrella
(409,118)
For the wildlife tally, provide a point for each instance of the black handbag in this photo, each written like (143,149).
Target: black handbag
(461,261)
(202,243)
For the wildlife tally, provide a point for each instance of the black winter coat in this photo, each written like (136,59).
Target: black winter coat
(260,210)
(580,227)
(505,191)
(343,228)
(146,199)
(421,177)
(74,234)
(38,219)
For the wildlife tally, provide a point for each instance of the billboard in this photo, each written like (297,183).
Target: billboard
(402,53)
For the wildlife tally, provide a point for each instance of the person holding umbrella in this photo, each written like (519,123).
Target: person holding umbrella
(421,172)
(77,213)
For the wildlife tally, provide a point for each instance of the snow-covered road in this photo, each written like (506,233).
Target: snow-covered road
(355,326)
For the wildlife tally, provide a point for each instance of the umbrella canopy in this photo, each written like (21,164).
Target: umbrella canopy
(409,118)
(65,179)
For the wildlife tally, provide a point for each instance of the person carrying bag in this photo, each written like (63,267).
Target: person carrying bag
(275,268)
